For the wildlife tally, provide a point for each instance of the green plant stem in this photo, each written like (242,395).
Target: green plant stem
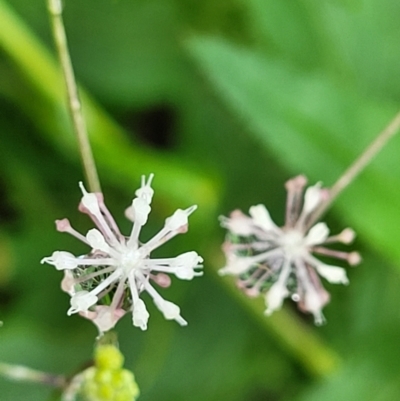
(60,39)
(22,373)
(358,166)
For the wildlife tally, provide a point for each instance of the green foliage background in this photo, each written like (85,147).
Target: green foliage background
(223,100)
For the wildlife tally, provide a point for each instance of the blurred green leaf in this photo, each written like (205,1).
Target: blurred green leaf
(372,371)
(123,160)
(312,126)
(274,26)
(6,262)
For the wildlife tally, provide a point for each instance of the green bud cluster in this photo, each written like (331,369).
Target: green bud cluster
(107,380)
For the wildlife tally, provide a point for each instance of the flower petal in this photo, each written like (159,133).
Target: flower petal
(81,302)
(185,264)
(141,211)
(104,317)
(68,282)
(236,265)
(262,218)
(312,198)
(333,274)
(89,201)
(314,301)
(146,192)
(275,296)
(179,218)
(317,234)
(238,223)
(61,260)
(140,316)
(97,241)
(170,311)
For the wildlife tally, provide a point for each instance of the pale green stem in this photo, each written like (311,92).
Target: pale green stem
(22,373)
(358,166)
(60,38)
(109,338)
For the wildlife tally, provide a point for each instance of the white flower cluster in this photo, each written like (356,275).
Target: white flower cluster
(120,267)
(279,260)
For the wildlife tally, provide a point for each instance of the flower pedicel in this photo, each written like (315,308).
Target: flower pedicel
(279,260)
(120,267)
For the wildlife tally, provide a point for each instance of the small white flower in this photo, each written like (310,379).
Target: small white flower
(186,264)
(279,261)
(119,266)
(61,260)
(170,311)
(81,301)
(140,316)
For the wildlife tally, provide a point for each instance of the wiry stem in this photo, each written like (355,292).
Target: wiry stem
(22,373)
(60,38)
(359,164)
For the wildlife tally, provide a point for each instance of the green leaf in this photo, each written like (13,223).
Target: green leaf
(121,160)
(371,372)
(314,127)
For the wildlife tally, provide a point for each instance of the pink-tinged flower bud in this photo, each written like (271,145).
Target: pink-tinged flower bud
(354,258)
(346,236)
(68,282)
(63,225)
(161,279)
(104,317)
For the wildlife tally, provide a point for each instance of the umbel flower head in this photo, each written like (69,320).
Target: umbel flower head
(107,282)
(280,261)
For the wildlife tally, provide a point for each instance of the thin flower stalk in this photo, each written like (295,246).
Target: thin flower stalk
(359,165)
(55,8)
(23,373)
